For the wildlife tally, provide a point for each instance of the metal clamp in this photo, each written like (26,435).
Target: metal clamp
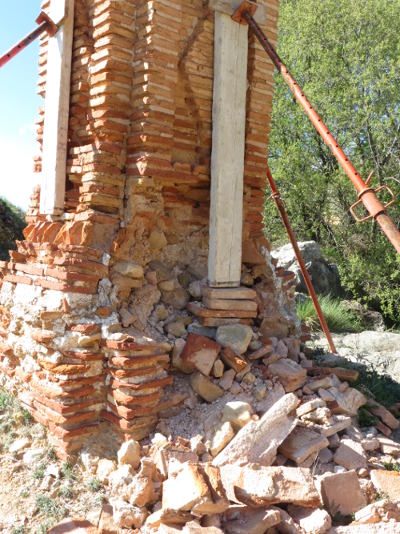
(245,7)
(51,25)
(375,191)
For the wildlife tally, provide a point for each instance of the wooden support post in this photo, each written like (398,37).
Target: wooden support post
(228,145)
(55,134)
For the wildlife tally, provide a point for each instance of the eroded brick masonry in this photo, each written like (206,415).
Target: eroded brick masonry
(92,302)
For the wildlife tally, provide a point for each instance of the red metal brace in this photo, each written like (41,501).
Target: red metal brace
(366,194)
(45,25)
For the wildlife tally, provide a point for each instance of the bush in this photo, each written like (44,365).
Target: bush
(372,276)
(338,317)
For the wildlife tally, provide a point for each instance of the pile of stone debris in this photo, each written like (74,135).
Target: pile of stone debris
(275,448)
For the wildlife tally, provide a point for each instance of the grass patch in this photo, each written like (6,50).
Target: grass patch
(366,419)
(39,471)
(391,466)
(49,507)
(342,520)
(65,492)
(46,506)
(94,485)
(380,495)
(27,418)
(381,387)
(6,400)
(45,526)
(51,455)
(337,315)
(67,471)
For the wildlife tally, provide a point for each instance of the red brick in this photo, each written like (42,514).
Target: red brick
(29,268)
(48,284)
(64,409)
(43,336)
(151,384)
(86,328)
(200,353)
(103,311)
(15,279)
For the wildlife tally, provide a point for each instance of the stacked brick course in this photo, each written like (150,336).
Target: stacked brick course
(137,375)
(84,337)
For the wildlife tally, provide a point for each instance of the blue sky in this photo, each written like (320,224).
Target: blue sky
(18,102)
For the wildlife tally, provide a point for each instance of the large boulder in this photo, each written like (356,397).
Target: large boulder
(325,276)
(371,319)
(376,351)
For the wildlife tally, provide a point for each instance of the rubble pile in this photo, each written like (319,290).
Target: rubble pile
(276,447)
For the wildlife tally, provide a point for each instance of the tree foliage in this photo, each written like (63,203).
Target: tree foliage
(346,56)
(11,225)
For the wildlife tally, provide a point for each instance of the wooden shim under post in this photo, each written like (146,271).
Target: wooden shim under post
(55,133)
(228,146)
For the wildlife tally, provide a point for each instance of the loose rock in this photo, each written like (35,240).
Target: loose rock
(205,388)
(291,375)
(258,441)
(350,455)
(223,435)
(341,493)
(302,443)
(311,521)
(387,483)
(236,336)
(258,485)
(129,453)
(237,412)
(190,488)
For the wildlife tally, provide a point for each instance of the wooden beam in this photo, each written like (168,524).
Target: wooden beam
(230,6)
(228,146)
(55,134)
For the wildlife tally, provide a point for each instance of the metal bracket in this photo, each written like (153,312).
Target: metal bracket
(369,190)
(245,6)
(51,25)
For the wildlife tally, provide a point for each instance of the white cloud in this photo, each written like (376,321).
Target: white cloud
(17,178)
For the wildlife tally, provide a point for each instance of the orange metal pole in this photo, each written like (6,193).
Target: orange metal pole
(45,25)
(279,204)
(365,193)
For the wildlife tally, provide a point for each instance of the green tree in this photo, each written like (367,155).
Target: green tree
(346,56)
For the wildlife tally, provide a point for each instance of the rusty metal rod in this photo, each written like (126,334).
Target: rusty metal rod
(365,193)
(45,24)
(281,208)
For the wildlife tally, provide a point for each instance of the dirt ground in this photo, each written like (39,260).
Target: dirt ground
(36,488)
